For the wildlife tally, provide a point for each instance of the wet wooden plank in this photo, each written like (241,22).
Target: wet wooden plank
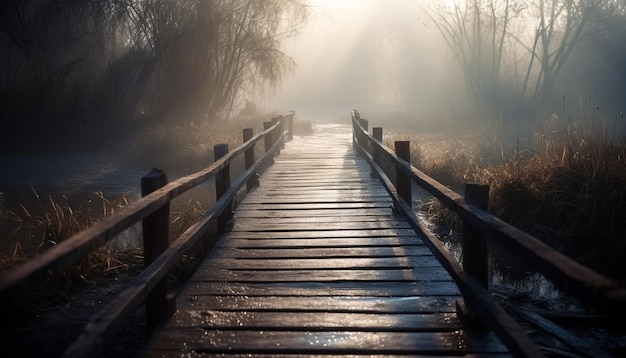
(323,263)
(317,206)
(317,321)
(361,304)
(189,354)
(259,226)
(293,188)
(427,273)
(328,198)
(334,342)
(330,252)
(308,188)
(310,214)
(382,217)
(302,172)
(263,220)
(305,235)
(317,264)
(306,179)
(314,195)
(318,289)
(251,243)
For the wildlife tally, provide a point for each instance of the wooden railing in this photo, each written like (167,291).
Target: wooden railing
(481,228)
(160,257)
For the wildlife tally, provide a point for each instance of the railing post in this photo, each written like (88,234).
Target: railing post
(377,133)
(281,129)
(289,119)
(475,257)
(276,133)
(155,242)
(365,124)
(403,180)
(222,184)
(356,118)
(269,140)
(364,140)
(268,137)
(249,158)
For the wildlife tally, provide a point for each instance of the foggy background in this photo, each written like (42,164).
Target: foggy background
(74,74)
(374,56)
(389,60)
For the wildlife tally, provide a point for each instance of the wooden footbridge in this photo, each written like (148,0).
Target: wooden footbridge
(323,257)
(317,263)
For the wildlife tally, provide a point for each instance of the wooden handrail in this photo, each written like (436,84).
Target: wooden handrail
(570,276)
(54,261)
(106,320)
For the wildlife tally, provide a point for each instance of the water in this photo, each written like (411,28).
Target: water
(72,179)
(507,274)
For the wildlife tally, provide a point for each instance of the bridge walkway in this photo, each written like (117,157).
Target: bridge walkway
(316,263)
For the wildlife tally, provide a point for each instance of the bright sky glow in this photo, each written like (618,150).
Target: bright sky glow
(362,54)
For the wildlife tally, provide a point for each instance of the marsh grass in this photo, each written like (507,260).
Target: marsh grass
(181,221)
(565,184)
(178,148)
(186,146)
(55,220)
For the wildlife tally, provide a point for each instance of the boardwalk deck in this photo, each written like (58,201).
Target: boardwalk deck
(317,264)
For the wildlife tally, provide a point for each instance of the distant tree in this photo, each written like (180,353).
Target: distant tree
(476,31)
(201,55)
(512,52)
(115,57)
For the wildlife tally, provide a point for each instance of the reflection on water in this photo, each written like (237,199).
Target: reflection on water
(507,272)
(29,185)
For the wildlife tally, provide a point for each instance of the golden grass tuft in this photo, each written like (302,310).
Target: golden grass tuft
(566,186)
(56,221)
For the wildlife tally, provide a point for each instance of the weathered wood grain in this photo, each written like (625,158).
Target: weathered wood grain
(334,288)
(324,263)
(313,253)
(362,304)
(311,214)
(330,198)
(250,243)
(259,226)
(372,274)
(325,234)
(316,321)
(263,220)
(318,206)
(334,342)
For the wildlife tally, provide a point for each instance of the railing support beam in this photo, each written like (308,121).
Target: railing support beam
(222,183)
(475,255)
(377,133)
(249,158)
(269,140)
(403,185)
(280,130)
(289,119)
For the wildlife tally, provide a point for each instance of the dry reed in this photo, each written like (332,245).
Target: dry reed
(566,188)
